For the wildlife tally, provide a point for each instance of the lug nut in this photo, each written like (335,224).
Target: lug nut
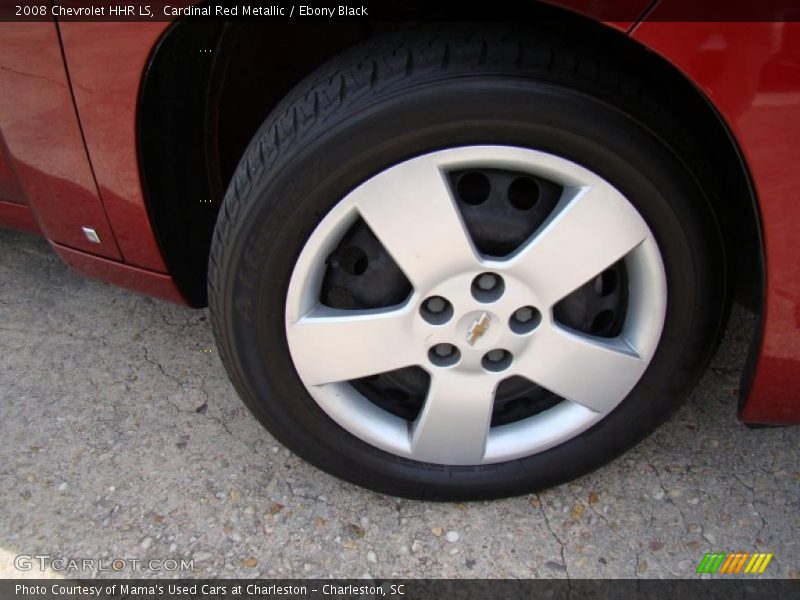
(436,310)
(444,355)
(487,287)
(495,355)
(435,304)
(497,360)
(523,315)
(487,281)
(444,350)
(524,320)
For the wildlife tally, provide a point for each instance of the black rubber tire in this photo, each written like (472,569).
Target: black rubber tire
(406,94)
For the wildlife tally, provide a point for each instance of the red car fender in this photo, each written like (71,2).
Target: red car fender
(750,71)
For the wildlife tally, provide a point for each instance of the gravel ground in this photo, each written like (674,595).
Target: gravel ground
(120,436)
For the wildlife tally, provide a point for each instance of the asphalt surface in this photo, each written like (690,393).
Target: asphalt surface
(120,436)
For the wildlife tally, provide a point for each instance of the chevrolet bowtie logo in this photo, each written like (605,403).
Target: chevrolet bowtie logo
(478,328)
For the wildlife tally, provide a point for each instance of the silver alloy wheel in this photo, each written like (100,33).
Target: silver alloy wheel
(411,210)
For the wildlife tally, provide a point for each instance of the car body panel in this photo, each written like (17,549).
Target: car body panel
(746,70)
(117,273)
(619,14)
(43,137)
(106,76)
(14,210)
(10,186)
(18,216)
(750,71)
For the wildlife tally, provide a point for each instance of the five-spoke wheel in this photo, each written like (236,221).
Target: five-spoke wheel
(455,264)
(473,320)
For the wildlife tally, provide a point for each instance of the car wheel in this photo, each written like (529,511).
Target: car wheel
(444,271)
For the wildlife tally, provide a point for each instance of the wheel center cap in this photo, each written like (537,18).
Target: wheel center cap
(478,328)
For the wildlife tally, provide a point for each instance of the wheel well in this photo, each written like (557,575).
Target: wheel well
(197,113)
(199,110)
